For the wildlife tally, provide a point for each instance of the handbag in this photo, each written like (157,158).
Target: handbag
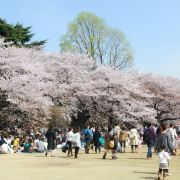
(101,141)
(111,144)
(64,149)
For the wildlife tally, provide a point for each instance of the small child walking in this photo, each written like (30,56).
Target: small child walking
(164,158)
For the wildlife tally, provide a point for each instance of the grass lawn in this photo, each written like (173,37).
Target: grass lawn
(128,166)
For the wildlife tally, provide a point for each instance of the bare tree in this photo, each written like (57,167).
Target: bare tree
(89,34)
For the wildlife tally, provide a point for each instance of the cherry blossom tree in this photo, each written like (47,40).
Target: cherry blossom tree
(34,83)
(166,100)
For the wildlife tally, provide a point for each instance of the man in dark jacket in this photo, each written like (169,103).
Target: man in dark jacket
(96,136)
(51,138)
(150,139)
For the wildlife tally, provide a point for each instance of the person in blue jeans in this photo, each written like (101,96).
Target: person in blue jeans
(150,140)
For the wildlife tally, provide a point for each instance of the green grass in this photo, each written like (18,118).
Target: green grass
(128,166)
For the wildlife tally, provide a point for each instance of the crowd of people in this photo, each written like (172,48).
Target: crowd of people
(114,139)
(20,143)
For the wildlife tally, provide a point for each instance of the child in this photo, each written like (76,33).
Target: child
(27,146)
(16,143)
(163,165)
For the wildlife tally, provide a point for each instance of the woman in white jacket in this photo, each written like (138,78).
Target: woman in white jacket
(134,139)
(69,139)
(77,142)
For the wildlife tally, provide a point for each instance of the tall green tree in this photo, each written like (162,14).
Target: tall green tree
(89,34)
(18,35)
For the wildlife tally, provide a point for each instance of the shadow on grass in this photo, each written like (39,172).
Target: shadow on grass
(40,156)
(148,178)
(137,158)
(100,158)
(144,172)
(65,157)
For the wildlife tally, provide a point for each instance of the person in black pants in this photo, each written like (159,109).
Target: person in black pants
(96,136)
(69,139)
(77,142)
(51,138)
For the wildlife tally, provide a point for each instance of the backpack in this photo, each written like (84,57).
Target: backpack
(111,144)
(87,134)
(101,141)
(146,136)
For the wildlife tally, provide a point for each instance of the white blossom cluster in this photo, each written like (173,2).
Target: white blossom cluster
(35,82)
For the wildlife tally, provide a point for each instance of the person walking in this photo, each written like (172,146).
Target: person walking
(164,139)
(69,139)
(109,143)
(96,136)
(164,158)
(88,137)
(134,138)
(51,138)
(77,142)
(150,138)
(122,139)
(116,132)
(173,135)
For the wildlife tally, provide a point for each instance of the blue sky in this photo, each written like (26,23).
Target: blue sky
(152,26)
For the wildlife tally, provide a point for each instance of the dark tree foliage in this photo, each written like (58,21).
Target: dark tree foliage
(11,115)
(18,35)
(82,117)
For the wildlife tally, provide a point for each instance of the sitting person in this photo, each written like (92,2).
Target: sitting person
(16,143)
(9,140)
(22,141)
(40,146)
(27,146)
(4,147)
